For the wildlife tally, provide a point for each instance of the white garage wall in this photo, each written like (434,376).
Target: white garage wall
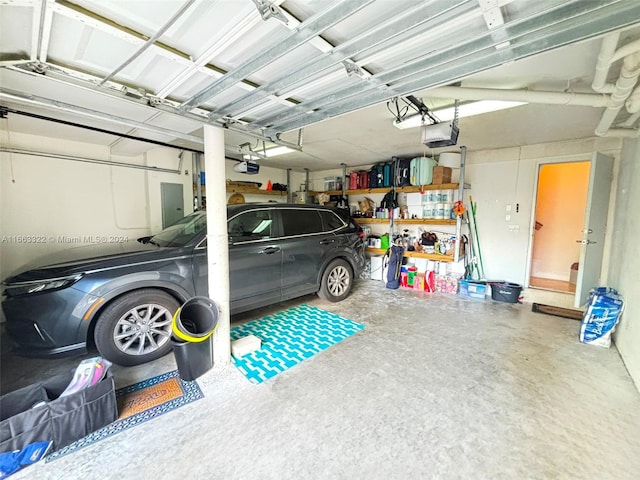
(63,203)
(59,203)
(508,177)
(625,256)
(162,158)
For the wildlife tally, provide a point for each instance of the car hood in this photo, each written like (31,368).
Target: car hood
(89,257)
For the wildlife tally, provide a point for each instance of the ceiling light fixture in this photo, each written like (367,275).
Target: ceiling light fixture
(464,110)
(267,153)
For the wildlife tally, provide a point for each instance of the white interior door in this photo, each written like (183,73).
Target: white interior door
(595,222)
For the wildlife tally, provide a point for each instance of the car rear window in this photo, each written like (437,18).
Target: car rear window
(331,221)
(300,222)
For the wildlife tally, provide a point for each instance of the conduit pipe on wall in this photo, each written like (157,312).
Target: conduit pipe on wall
(607,51)
(633,102)
(112,163)
(549,98)
(628,49)
(622,132)
(630,122)
(624,86)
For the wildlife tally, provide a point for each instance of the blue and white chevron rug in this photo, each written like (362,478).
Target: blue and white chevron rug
(288,338)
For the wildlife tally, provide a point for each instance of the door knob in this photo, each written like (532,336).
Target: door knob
(585,242)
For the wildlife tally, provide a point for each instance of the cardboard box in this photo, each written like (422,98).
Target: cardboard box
(441,175)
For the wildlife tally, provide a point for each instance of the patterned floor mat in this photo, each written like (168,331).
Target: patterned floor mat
(288,338)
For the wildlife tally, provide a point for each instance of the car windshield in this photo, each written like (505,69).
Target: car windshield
(182,232)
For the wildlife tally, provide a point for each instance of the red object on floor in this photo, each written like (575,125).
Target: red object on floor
(430,282)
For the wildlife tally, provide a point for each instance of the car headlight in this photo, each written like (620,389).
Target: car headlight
(36,286)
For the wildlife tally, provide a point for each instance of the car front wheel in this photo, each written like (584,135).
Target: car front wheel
(337,281)
(136,327)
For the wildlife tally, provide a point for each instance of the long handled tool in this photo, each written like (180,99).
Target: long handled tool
(471,271)
(475,229)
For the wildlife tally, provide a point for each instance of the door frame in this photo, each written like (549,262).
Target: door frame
(532,222)
(162,202)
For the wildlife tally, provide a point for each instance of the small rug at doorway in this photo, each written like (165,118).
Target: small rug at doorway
(289,337)
(557,311)
(139,403)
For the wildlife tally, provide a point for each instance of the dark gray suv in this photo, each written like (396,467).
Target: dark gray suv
(123,296)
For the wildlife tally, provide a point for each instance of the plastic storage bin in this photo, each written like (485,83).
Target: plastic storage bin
(473,289)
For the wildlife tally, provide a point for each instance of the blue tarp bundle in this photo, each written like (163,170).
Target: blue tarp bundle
(601,316)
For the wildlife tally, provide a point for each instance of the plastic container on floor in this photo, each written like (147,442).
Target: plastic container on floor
(473,289)
(505,291)
(193,325)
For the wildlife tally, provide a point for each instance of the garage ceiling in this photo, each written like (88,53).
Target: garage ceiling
(314,72)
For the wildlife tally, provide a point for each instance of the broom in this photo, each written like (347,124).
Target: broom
(477,238)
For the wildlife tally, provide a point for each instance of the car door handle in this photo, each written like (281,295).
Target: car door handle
(270,250)
(327,242)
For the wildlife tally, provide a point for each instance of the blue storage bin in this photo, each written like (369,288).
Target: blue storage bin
(472,289)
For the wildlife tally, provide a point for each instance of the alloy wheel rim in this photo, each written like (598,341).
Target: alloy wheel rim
(338,281)
(143,329)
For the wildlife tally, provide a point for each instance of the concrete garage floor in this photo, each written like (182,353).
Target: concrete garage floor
(435,387)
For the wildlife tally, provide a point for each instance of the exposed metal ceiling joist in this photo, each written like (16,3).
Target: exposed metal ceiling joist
(549,28)
(45,36)
(136,38)
(38,101)
(181,11)
(262,79)
(307,30)
(210,52)
(420,15)
(37,24)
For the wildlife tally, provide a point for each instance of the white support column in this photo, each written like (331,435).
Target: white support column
(217,243)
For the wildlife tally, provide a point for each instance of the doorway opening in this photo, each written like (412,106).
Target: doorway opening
(561,202)
(172,201)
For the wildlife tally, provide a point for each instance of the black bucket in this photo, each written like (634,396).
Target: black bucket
(193,325)
(505,291)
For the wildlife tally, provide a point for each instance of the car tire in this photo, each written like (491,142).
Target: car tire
(337,281)
(136,327)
